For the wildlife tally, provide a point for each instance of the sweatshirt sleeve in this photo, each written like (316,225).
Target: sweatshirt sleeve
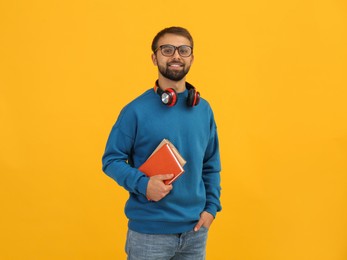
(117,156)
(211,172)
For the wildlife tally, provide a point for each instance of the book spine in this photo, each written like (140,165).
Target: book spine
(174,156)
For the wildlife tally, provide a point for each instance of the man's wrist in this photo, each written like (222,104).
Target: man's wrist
(142,185)
(212,210)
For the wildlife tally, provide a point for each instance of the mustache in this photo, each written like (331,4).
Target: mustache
(176,63)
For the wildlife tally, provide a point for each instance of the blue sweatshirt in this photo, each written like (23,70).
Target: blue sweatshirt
(140,127)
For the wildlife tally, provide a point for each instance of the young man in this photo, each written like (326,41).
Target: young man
(167,221)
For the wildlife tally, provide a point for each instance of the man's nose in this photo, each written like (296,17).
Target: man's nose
(176,54)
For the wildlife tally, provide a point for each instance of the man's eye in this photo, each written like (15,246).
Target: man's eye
(167,50)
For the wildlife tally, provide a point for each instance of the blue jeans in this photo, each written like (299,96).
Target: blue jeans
(190,245)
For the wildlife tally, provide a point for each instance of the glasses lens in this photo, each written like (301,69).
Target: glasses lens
(185,51)
(167,50)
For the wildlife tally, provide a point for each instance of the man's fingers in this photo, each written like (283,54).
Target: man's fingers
(163,177)
(198,226)
(205,220)
(157,189)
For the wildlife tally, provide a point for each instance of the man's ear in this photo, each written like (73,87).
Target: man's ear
(154,59)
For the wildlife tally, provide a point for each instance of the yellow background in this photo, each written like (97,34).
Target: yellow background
(274,73)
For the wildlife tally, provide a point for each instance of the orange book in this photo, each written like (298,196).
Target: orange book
(165,159)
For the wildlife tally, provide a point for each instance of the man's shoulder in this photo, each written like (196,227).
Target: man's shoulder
(205,104)
(139,103)
(147,94)
(130,111)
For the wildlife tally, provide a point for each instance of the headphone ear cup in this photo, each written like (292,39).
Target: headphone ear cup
(169,97)
(193,98)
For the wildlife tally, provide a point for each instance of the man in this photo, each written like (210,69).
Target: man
(167,221)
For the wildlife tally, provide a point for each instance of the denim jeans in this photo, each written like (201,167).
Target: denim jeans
(190,245)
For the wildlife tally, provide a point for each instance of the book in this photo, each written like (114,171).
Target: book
(165,159)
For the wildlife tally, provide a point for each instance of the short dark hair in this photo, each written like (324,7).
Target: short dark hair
(172,30)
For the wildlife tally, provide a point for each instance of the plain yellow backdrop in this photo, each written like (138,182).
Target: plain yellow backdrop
(274,73)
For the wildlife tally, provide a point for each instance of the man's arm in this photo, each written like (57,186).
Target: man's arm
(115,164)
(211,172)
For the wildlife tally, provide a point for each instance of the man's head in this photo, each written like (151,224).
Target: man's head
(173,52)
(172,30)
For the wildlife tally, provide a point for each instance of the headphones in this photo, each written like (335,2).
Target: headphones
(169,96)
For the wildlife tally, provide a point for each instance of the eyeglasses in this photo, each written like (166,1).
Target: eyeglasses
(169,50)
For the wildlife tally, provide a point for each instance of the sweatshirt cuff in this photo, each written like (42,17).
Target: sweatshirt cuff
(212,209)
(142,185)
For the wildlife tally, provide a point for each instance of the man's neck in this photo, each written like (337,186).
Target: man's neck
(178,86)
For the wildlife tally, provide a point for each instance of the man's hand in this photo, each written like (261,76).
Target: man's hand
(157,189)
(205,220)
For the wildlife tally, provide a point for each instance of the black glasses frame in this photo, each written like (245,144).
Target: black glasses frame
(178,48)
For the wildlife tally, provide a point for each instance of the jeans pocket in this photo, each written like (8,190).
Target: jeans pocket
(203,228)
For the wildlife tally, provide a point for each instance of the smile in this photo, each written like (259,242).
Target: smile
(176,65)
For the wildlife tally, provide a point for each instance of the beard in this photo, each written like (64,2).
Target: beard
(174,75)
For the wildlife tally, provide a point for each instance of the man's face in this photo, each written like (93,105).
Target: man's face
(175,67)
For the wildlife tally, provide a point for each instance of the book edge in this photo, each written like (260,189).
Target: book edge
(174,156)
